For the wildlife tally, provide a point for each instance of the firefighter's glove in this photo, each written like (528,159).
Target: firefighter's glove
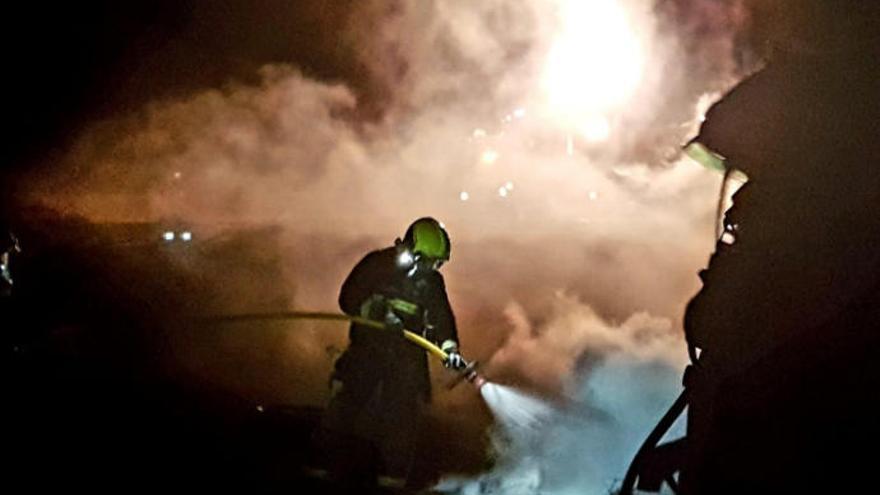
(377,308)
(453,357)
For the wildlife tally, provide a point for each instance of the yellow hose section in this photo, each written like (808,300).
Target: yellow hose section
(425,344)
(318,315)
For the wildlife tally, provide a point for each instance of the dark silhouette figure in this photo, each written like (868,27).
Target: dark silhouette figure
(783,396)
(381,381)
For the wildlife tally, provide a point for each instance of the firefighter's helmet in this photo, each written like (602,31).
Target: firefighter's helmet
(426,237)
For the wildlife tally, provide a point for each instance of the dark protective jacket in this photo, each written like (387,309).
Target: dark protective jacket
(785,396)
(376,355)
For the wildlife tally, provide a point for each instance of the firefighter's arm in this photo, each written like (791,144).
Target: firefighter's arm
(360,285)
(443,327)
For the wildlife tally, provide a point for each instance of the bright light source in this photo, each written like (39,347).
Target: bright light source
(596,61)
(186,236)
(464,196)
(168,236)
(479,133)
(405,259)
(260,409)
(594,195)
(509,186)
(596,128)
(519,113)
(177,175)
(489,157)
(502,191)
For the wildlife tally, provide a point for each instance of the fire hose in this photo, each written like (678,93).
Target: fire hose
(467,371)
(633,472)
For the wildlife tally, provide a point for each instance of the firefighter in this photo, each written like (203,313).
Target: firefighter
(782,393)
(381,381)
(783,396)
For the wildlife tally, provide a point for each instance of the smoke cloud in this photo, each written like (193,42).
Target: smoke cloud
(545,134)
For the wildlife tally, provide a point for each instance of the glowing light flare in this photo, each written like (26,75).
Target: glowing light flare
(595,128)
(405,258)
(464,196)
(489,157)
(596,61)
(503,192)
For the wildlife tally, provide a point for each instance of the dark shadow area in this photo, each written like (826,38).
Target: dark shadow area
(94,395)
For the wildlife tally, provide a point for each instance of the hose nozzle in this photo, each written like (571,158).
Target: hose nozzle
(468,372)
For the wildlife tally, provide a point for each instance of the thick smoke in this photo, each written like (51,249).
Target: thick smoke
(550,153)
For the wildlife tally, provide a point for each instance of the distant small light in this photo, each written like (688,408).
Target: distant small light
(594,195)
(177,175)
(464,196)
(509,186)
(168,236)
(519,113)
(186,236)
(489,157)
(479,133)
(502,191)
(260,409)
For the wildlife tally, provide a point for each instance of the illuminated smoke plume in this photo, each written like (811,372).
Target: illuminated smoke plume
(545,134)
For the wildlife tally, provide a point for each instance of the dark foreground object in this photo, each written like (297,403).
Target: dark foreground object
(784,395)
